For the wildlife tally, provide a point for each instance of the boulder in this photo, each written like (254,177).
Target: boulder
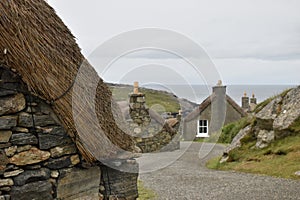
(12,104)
(264,138)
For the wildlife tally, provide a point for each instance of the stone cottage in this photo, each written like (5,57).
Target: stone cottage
(57,141)
(215,111)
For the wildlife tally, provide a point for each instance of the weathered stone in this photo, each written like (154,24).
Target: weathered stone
(12,104)
(31,156)
(55,137)
(26,120)
(62,150)
(264,138)
(6,182)
(5,197)
(23,139)
(79,184)
(236,142)
(13,173)
(21,130)
(31,167)
(36,190)
(5,189)
(3,160)
(297,173)
(31,176)
(54,174)
(23,148)
(5,136)
(59,163)
(10,151)
(5,145)
(7,122)
(75,159)
(290,110)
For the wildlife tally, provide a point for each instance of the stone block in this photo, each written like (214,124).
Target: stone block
(7,122)
(6,182)
(63,150)
(79,184)
(36,190)
(5,136)
(32,176)
(13,173)
(10,151)
(26,120)
(55,137)
(31,156)
(23,139)
(12,104)
(59,163)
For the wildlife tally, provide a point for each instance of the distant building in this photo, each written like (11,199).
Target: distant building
(215,111)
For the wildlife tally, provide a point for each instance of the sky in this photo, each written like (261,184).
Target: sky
(247,41)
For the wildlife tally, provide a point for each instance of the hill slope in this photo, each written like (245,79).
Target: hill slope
(270,142)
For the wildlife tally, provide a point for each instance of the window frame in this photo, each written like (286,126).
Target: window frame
(202,123)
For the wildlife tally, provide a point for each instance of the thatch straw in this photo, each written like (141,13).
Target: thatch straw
(44,52)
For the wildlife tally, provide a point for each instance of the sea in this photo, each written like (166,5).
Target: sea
(197,93)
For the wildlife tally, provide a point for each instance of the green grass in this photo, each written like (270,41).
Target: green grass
(145,193)
(280,159)
(231,130)
(160,101)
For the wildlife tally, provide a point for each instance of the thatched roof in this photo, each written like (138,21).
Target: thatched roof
(196,112)
(43,51)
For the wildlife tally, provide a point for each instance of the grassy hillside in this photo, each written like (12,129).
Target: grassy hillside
(163,101)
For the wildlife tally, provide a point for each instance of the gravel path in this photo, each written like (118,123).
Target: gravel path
(187,178)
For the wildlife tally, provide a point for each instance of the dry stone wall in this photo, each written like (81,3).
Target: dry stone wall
(38,160)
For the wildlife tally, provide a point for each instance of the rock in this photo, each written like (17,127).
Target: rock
(21,130)
(23,148)
(31,167)
(3,160)
(5,145)
(59,163)
(26,120)
(23,139)
(55,137)
(63,150)
(5,136)
(13,173)
(12,104)
(75,159)
(31,176)
(6,182)
(290,110)
(54,174)
(31,156)
(5,189)
(36,190)
(297,173)
(4,197)
(264,138)
(236,142)
(7,122)
(10,151)
(79,184)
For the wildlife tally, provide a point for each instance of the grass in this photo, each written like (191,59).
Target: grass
(280,159)
(160,101)
(145,193)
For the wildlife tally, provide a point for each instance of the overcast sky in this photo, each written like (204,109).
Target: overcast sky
(249,41)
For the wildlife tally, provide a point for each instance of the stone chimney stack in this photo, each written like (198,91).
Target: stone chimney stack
(138,110)
(253,99)
(245,102)
(218,110)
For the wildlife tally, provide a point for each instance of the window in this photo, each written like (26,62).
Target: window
(202,128)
